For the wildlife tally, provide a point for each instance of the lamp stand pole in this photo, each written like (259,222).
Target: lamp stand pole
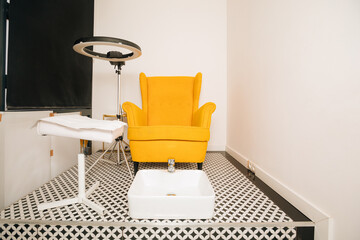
(116,58)
(119,112)
(119,115)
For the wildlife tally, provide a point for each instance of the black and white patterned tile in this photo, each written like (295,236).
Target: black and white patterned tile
(178,233)
(237,200)
(18,231)
(252,233)
(78,232)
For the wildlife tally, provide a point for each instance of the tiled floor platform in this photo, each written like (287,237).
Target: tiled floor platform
(242,210)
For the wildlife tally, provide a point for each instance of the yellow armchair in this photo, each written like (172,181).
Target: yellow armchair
(170,124)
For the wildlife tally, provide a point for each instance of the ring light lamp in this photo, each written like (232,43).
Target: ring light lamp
(83,45)
(116,58)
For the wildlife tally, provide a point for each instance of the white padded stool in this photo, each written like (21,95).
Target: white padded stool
(76,126)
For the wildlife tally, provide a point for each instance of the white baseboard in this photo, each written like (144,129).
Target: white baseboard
(239,157)
(322,221)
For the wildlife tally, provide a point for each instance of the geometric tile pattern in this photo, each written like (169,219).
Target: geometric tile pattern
(166,233)
(18,231)
(32,231)
(237,200)
(78,232)
(252,233)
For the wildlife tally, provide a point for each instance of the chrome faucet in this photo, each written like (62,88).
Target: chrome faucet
(171,165)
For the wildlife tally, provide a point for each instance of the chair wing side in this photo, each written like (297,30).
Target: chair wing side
(135,116)
(202,116)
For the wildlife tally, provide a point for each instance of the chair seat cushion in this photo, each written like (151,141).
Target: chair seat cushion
(182,133)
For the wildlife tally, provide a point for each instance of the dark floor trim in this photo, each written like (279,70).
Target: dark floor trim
(305,233)
(287,207)
(302,233)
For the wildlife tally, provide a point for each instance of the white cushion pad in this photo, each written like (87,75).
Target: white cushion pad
(76,126)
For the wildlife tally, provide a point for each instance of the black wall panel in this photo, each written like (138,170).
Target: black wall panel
(44,72)
(3,17)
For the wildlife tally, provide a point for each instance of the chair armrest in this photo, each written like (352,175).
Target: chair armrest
(202,116)
(135,116)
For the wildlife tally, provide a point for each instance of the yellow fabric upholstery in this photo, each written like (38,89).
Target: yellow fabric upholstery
(169,133)
(161,151)
(202,116)
(170,123)
(135,116)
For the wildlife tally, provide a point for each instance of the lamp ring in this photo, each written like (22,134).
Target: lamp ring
(82,46)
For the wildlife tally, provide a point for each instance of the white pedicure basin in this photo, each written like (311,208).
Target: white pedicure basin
(159,194)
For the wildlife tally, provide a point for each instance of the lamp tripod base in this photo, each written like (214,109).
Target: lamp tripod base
(119,144)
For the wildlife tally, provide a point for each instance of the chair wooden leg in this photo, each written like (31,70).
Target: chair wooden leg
(136,167)
(199,165)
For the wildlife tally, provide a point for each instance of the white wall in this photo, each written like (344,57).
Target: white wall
(177,38)
(25,162)
(24,155)
(294,100)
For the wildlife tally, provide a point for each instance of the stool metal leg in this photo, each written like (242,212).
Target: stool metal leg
(82,194)
(118,153)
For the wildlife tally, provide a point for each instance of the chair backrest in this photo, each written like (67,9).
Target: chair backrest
(170,100)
